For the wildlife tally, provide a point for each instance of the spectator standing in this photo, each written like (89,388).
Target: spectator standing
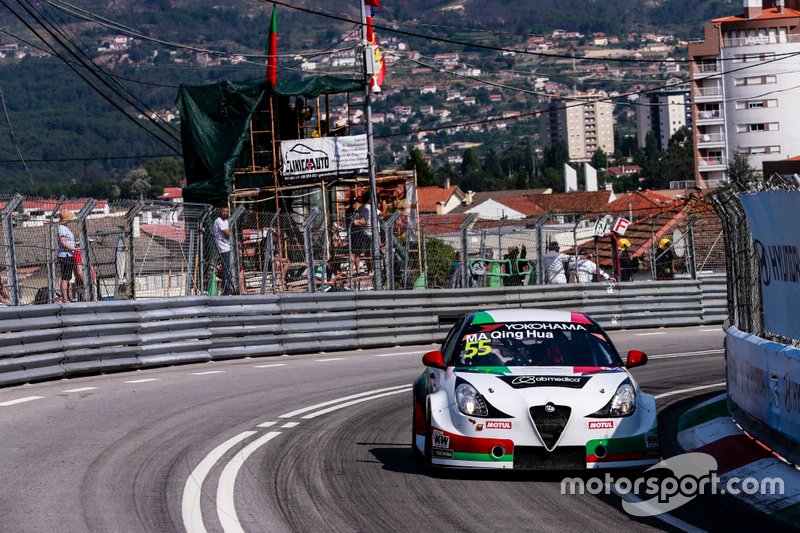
(665,260)
(222,237)
(555,264)
(66,253)
(587,271)
(512,258)
(355,226)
(628,265)
(5,298)
(365,213)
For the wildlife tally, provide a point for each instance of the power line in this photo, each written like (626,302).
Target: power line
(16,143)
(105,158)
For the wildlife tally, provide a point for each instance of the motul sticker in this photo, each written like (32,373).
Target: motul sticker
(440,440)
(601,424)
(497,425)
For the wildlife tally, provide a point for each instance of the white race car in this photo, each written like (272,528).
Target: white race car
(532,389)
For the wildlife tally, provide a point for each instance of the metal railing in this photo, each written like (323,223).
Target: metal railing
(153,249)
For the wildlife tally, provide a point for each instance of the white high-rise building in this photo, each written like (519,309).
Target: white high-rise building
(664,113)
(745,88)
(586,123)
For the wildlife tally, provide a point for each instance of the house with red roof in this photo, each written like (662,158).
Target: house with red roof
(439,200)
(172,194)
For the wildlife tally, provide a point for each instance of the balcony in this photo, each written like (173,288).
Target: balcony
(760,40)
(708,94)
(709,117)
(711,164)
(710,140)
(707,68)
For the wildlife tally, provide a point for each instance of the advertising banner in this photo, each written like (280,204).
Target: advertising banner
(764,380)
(774,219)
(324,158)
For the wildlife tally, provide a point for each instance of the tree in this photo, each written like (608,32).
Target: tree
(425,175)
(739,169)
(470,162)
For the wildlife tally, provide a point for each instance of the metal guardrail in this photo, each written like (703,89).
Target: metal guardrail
(54,341)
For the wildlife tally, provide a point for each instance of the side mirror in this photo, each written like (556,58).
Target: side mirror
(636,358)
(434,359)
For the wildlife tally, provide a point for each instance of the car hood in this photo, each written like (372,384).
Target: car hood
(514,389)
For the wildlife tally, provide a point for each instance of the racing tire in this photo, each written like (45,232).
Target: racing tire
(428,454)
(414,450)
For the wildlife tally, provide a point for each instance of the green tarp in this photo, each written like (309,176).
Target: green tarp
(215,123)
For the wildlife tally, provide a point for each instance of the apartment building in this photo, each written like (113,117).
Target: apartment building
(663,112)
(744,88)
(586,123)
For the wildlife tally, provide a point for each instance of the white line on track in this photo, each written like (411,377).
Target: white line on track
(664,517)
(650,334)
(266,424)
(353,402)
(193,490)
(290,424)
(325,404)
(226,510)
(142,380)
(269,366)
(686,354)
(20,400)
(208,372)
(330,359)
(714,330)
(81,389)
(400,353)
(692,389)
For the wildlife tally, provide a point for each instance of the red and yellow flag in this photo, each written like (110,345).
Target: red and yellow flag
(376,81)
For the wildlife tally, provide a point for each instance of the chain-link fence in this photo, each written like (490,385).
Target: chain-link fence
(142,249)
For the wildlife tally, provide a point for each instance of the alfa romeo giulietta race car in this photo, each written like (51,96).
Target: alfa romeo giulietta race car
(532,389)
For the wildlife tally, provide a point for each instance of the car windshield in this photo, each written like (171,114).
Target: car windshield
(534,344)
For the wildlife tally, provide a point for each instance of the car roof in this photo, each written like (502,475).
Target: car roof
(492,316)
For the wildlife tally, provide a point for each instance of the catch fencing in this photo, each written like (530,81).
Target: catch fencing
(154,249)
(761,342)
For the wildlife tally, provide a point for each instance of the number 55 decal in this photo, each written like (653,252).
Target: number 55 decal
(473,348)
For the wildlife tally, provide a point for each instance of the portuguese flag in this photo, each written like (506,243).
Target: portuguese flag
(272,49)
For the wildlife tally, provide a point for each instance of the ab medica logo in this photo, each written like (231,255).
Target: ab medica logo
(671,483)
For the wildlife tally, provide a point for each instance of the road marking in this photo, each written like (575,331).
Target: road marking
(656,513)
(715,330)
(82,389)
(193,490)
(226,509)
(142,380)
(290,424)
(208,372)
(693,389)
(270,366)
(20,400)
(353,402)
(330,359)
(266,424)
(686,354)
(399,353)
(331,402)
(649,334)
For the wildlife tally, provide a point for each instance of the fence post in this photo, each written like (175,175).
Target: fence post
(52,239)
(389,230)
(86,253)
(234,262)
(424,251)
(130,222)
(7,219)
(465,250)
(690,247)
(307,224)
(270,257)
(540,275)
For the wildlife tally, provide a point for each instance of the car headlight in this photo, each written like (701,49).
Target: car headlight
(469,401)
(623,403)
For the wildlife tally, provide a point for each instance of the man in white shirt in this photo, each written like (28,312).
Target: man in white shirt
(587,270)
(555,264)
(222,237)
(66,252)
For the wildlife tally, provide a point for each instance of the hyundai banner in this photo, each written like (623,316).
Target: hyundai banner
(774,219)
(324,158)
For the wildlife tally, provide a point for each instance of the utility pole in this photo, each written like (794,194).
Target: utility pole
(373,183)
